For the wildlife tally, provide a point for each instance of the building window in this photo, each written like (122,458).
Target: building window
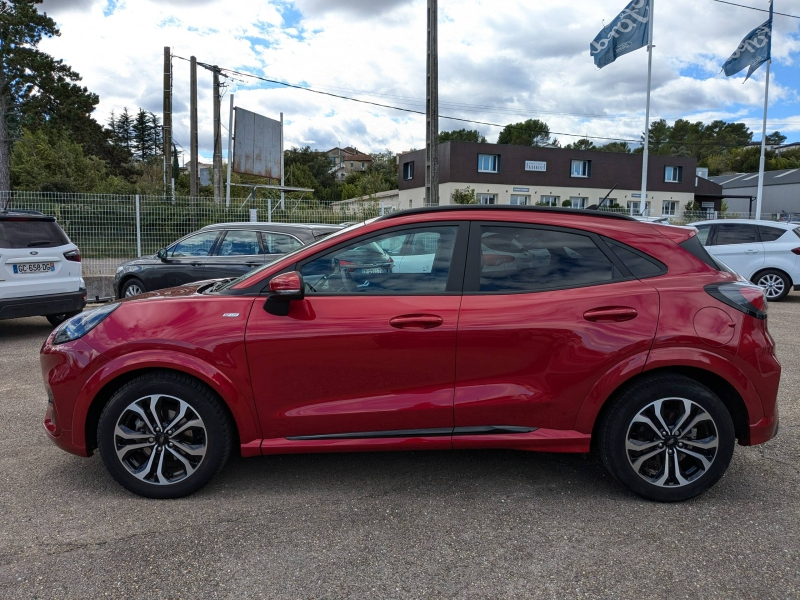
(669,208)
(581,168)
(578,201)
(635,207)
(673,174)
(487,198)
(408,171)
(488,163)
(549,201)
(520,200)
(351,165)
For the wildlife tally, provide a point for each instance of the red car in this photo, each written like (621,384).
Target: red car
(584,331)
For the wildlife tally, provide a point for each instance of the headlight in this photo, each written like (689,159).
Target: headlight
(79,325)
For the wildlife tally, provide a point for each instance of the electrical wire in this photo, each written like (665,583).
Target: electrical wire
(766,10)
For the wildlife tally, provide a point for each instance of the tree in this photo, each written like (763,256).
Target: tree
(532,132)
(35,89)
(775,139)
(622,147)
(581,144)
(462,135)
(464,196)
(123,133)
(385,165)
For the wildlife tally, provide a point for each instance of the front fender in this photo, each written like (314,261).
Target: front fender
(238,398)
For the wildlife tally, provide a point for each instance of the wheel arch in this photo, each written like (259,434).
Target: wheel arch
(726,392)
(778,269)
(125,279)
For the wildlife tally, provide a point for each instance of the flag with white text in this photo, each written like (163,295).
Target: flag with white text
(628,32)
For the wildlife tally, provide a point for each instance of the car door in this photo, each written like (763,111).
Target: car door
(368,353)
(535,336)
(738,246)
(237,252)
(185,262)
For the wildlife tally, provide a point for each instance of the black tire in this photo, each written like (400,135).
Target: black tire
(215,437)
(640,397)
(132,285)
(776,283)
(56,320)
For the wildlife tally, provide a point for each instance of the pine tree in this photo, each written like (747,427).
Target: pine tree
(156,135)
(124,131)
(142,136)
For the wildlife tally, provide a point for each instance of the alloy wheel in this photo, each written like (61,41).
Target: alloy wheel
(773,285)
(160,439)
(133,290)
(672,442)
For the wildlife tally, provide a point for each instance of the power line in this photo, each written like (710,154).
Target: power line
(756,8)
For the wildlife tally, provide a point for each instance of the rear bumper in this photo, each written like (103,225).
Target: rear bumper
(34,306)
(763,431)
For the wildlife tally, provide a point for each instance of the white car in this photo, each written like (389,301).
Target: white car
(40,269)
(765,252)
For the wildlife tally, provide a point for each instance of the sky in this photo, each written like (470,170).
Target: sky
(499,62)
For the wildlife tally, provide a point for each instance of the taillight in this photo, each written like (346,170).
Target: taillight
(73,255)
(796,251)
(746,297)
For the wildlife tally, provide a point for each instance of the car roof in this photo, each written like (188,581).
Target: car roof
(506,208)
(24,215)
(779,224)
(273,226)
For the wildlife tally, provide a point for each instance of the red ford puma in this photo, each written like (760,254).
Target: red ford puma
(443,328)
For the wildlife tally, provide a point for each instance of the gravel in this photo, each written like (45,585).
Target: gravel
(496,524)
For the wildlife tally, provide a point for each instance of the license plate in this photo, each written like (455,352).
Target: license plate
(34,268)
(372,271)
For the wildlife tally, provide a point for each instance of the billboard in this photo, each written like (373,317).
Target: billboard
(257,146)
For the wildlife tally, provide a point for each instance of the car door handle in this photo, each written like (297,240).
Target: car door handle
(611,314)
(751,251)
(196,264)
(416,321)
(253,264)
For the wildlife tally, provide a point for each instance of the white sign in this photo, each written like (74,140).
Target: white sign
(533,165)
(639,195)
(254,215)
(522,189)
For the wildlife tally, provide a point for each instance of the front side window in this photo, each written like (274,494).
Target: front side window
(581,168)
(673,174)
(410,262)
(669,208)
(487,198)
(279,243)
(488,163)
(239,243)
(518,200)
(549,200)
(196,245)
(727,234)
(408,171)
(527,259)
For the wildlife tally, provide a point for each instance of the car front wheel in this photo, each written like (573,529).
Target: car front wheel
(164,435)
(132,287)
(667,438)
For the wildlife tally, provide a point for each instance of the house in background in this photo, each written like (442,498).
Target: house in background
(781,191)
(384,202)
(347,160)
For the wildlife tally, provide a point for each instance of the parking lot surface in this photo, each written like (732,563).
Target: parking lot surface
(496,524)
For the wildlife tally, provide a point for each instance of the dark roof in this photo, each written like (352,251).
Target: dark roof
(746,180)
(357,157)
(24,215)
(507,208)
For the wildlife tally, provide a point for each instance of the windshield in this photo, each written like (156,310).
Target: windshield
(255,272)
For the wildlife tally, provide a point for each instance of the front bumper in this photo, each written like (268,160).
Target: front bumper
(36,306)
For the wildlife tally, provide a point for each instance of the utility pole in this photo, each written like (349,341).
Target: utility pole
(230,155)
(167,119)
(432,109)
(194,183)
(217,139)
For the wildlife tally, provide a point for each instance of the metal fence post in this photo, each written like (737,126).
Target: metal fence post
(138,228)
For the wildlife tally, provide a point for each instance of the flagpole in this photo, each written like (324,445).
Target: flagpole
(760,194)
(646,152)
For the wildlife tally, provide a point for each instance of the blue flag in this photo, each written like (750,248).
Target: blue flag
(628,32)
(754,51)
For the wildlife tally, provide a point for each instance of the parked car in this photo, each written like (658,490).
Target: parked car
(764,252)
(630,339)
(215,251)
(40,269)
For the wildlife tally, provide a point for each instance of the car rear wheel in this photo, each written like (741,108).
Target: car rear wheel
(164,435)
(56,320)
(775,283)
(132,287)
(667,438)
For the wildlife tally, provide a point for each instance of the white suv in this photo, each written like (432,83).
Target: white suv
(40,269)
(765,252)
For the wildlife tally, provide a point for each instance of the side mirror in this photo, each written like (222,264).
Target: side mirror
(162,254)
(282,290)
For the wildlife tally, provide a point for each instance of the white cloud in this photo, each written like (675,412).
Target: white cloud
(499,62)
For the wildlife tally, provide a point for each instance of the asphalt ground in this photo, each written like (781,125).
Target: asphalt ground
(491,524)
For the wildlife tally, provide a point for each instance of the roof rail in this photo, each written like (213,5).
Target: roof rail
(507,207)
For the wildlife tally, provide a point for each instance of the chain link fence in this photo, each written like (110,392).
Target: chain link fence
(110,229)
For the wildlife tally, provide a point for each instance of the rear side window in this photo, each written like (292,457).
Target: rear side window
(796,231)
(31,234)
(770,234)
(695,248)
(527,259)
(639,264)
(727,234)
(278,243)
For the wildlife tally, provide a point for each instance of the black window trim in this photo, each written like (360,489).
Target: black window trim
(455,280)
(644,255)
(472,276)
